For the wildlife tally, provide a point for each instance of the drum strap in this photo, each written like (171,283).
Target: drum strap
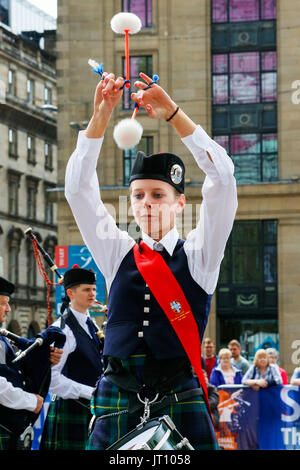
(173,302)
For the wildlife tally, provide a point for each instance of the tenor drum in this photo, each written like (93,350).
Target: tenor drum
(155,434)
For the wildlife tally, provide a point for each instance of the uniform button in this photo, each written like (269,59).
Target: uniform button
(145,323)
(147,296)
(146,309)
(140,334)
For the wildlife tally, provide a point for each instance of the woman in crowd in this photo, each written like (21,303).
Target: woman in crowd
(262,373)
(225,372)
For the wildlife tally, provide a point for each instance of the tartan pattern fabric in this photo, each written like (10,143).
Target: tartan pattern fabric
(191,417)
(66,426)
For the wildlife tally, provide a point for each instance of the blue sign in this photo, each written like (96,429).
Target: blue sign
(65,258)
(279,424)
(268,419)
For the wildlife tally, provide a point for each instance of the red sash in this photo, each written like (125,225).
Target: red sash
(172,300)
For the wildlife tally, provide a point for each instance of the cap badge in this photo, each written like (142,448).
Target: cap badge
(176,173)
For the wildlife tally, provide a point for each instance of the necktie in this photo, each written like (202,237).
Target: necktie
(92,330)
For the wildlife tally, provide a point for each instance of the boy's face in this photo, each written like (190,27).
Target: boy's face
(4,307)
(155,206)
(82,296)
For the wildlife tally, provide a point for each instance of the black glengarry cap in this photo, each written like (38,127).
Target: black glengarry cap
(160,166)
(6,287)
(76,275)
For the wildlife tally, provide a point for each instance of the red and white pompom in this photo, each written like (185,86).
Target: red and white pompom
(125,21)
(128,133)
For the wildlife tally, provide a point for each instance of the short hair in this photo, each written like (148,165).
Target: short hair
(224,351)
(234,342)
(272,351)
(208,340)
(260,352)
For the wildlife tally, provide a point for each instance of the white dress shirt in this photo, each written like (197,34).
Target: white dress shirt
(15,397)
(61,385)
(204,245)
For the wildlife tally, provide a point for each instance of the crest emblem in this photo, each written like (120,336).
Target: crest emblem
(176,174)
(175,306)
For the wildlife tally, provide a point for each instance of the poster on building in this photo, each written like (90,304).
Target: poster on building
(267,420)
(66,256)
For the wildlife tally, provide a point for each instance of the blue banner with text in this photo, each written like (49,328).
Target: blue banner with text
(268,419)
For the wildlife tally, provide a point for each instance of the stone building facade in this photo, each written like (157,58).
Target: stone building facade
(257,299)
(28,170)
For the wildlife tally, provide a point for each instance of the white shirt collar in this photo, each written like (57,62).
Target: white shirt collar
(169,241)
(80,317)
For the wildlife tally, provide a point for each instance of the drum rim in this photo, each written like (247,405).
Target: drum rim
(136,431)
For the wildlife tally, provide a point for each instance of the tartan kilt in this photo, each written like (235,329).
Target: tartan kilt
(66,425)
(190,417)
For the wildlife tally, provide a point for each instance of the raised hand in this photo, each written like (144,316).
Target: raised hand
(107,95)
(155,100)
(108,92)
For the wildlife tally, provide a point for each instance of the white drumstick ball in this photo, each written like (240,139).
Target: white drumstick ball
(127,133)
(125,21)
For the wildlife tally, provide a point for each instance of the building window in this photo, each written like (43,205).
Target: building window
(49,206)
(247,286)
(254,156)
(145,145)
(31,266)
(141,8)
(13,179)
(49,246)
(244,77)
(15,236)
(12,143)
(31,149)
(137,64)
(13,264)
(48,156)
(224,11)
(4,11)
(32,187)
(48,95)
(30,91)
(12,82)
(244,86)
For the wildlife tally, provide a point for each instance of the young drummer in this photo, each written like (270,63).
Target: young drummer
(143,351)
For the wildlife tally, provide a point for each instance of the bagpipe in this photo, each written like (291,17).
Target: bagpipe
(40,253)
(30,370)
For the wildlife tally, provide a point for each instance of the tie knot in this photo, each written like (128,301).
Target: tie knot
(157,246)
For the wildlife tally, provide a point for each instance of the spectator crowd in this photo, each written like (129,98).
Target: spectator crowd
(230,367)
